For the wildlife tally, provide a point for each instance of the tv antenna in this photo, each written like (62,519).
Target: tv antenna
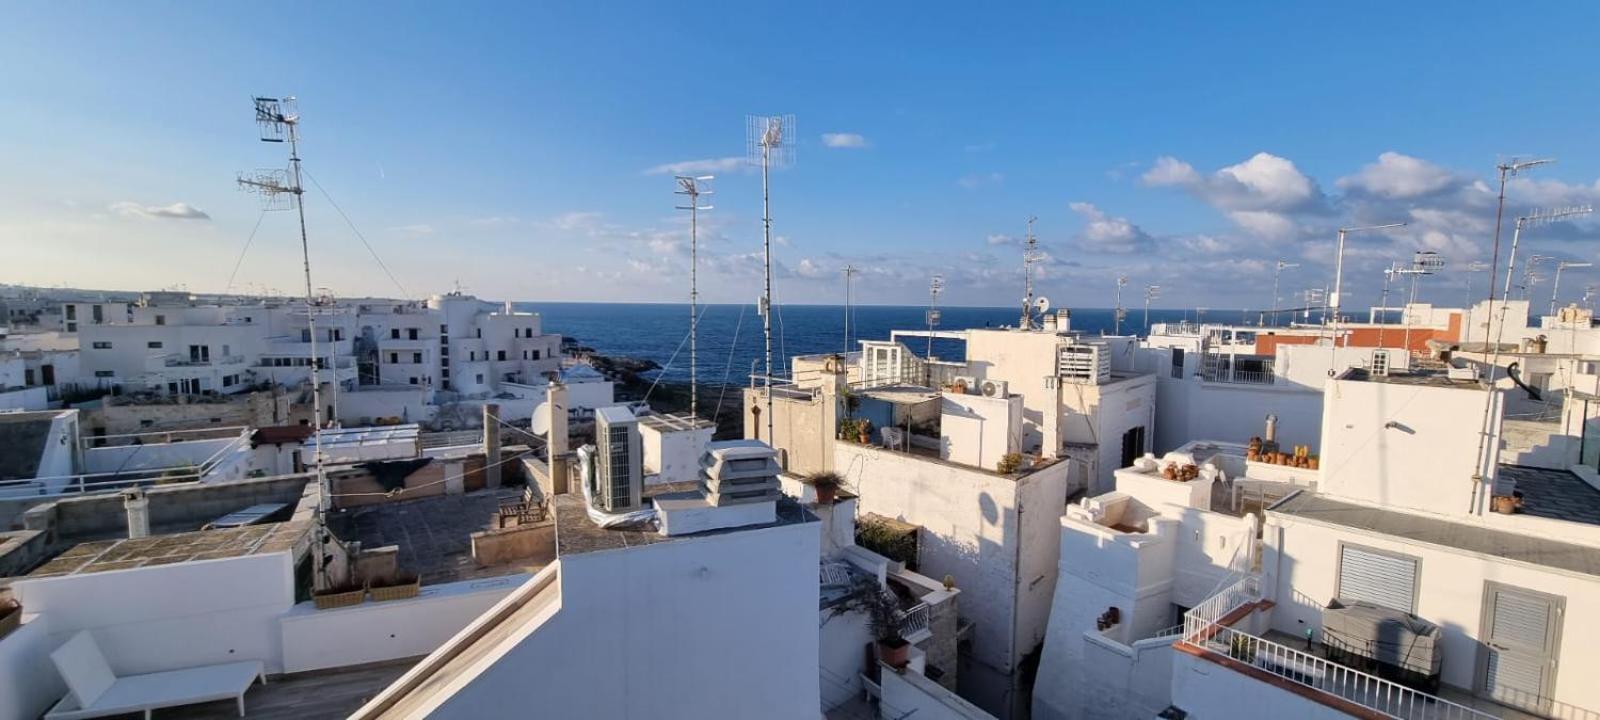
(692,188)
(1555,290)
(279,120)
(1531,275)
(1116,316)
(769,140)
(1277,271)
(1338,284)
(935,287)
(1030,255)
(850,272)
(1151,292)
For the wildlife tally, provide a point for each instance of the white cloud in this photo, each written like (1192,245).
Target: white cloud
(1398,177)
(699,167)
(844,140)
(1002,240)
(1263,182)
(1264,223)
(494,221)
(1104,233)
(583,221)
(417,230)
(175,211)
(978,180)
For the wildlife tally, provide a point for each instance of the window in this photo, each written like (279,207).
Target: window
(27,377)
(444,362)
(394,358)
(102,345)
(516,332)
(536,354)
(305,335)
(528,333)
(72,327)
(472,356)
(1177,363)
(524,354)
(501,356)
(411,334)
(479,332)
(444,329)
(416,357)
(480,378)
(72,312)
(161,319)
(99,314)
(1377,576)
(153,344)
(413,381)
(394,333)
(104,374)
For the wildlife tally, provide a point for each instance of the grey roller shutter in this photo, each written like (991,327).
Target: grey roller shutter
(1379,578)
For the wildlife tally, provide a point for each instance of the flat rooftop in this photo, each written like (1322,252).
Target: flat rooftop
(676,423)
(576,533)
(330,693)
(1555,494)
(1412,377)
(103,555)
(1476,539)
(434,533)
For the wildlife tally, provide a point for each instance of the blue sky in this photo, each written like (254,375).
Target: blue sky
(526,150)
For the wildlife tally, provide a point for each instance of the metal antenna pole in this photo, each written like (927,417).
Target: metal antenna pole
(849,274)
(274,121)
(768,134)
(690,186)
(1338,284)
(935,286)
(1028,256)
(1555,289)
(1116,317)
(1151,292)
(1276,298)
(1383,301)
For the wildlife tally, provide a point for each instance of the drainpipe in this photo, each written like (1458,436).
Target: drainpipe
(137,505)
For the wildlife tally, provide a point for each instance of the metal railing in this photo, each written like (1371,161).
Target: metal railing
(1223,369)
(914,619)
(1203,629)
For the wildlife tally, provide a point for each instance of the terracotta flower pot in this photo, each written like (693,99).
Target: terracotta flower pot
(894,655)
(826,494)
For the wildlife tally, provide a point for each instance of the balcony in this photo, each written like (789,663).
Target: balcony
(1240,369)
(1208,632)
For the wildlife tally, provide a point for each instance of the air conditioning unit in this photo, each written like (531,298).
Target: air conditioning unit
(1084,364)
(967,383)
(993,388)
(619,474)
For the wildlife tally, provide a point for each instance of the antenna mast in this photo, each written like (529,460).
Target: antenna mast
(690,186)
(850,272)
(276,120)
(1116,316)
(1030,255)
(935,286)
(769,140)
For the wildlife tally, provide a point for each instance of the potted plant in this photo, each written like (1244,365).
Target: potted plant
(10,616)
(405,585)
(864,430)
(826,483)
(847,428)
(1009,463)
(339,596)
(883,618)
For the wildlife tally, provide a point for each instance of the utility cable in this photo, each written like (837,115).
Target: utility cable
(363,238)
(236,263)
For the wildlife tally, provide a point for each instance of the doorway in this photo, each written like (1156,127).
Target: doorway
(1520,638)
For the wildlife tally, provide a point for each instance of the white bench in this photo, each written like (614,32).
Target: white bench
(94,691)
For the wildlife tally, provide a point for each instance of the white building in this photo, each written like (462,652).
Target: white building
(1418,578)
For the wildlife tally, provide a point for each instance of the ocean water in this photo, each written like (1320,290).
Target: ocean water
(730,341)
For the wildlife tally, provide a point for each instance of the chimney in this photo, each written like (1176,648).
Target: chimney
(555,399)
(138,507)
(491,445)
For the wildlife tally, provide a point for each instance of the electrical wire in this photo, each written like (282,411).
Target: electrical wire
(363,238)
(729,369)
(243,250)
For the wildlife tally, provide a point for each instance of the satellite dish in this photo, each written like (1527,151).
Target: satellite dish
(541,420)
(1043,304)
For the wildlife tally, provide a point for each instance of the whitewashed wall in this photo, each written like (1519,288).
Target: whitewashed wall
(376,631)
(29,683)
(1208,691)
(227,610)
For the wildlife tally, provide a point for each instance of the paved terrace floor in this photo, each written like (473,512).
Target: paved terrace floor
(303,696)
(434,533)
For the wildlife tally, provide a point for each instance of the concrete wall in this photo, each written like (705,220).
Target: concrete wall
(227,611)
(186,504)
(803,424)
(29,683)
(1208,691)
(524,542)
(184,456)
(407,403)
(1101,414)
(842,643)
(24,398)
(1404,445)
(727,630)
(1301,561)
(909,694)
(378,631)
(979,431)
(1024,360)
(256,409)
(1191,409)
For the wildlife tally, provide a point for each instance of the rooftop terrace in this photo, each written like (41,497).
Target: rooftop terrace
(103,555)
(576,533)
(434,534)
(1555,494)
